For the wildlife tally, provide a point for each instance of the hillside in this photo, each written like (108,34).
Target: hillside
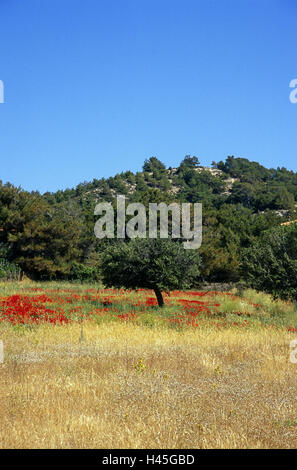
(237,180)
(51,236)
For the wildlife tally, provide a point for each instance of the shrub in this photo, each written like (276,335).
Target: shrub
(81,272)
(270,264)
(8,270)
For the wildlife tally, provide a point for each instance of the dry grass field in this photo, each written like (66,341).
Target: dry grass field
(130,377)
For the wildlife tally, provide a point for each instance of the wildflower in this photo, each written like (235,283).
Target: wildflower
(139,366)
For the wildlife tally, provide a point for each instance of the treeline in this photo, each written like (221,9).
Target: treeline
(51,236)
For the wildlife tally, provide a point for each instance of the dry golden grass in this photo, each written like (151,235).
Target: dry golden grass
(128,386)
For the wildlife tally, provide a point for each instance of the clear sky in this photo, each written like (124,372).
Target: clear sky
(94,87)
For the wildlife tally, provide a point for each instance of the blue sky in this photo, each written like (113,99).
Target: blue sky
(93,88)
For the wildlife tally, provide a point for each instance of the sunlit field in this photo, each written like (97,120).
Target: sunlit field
(87,367)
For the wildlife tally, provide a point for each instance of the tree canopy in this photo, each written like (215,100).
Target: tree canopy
(270,264)
(158,264)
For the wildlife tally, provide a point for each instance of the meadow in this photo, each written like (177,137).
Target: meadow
(88,367)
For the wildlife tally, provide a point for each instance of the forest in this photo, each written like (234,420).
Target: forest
(50,236)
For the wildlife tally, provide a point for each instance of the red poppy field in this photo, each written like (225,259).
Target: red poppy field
(31,306)
(87,367)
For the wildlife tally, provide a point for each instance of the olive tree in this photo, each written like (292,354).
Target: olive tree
(158,264)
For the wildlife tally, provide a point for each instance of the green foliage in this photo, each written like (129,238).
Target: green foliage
(153,164)
(270,264)
(83,273)
(50,235)
(188,163)
(158,264)
(244,169)
(200,186)
(8,270)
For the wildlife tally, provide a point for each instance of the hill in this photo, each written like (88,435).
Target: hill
(50,236)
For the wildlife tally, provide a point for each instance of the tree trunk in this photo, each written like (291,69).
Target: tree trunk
(159,296)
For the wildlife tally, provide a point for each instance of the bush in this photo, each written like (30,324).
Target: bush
(270,264)
(9,271)
(83,273)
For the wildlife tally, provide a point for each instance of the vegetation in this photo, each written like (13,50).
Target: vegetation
(158,264)
(51,236)
(271,263)
(122,373)
(8,270)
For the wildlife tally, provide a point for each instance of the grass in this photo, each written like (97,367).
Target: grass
(101,381)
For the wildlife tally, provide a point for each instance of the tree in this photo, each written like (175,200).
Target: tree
(190,162)
(284,199)
(270,264)
(152,164)
(243,193)
(158,264)
(187,166)
(44,239)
